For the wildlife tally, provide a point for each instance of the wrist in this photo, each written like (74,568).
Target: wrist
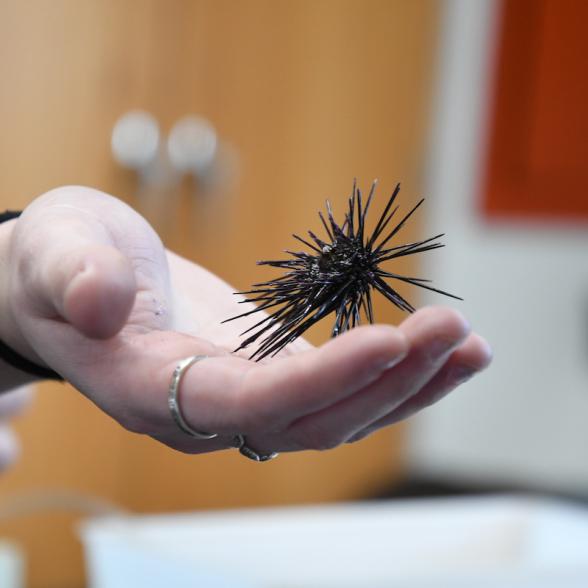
(19,364)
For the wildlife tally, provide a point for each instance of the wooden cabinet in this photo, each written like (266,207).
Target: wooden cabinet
(309,94)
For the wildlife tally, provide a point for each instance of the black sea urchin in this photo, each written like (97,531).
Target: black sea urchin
(336,276)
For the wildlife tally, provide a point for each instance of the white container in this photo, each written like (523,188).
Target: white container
(500,542)
(11,566)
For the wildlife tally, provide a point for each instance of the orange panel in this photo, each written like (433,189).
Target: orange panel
(538,155)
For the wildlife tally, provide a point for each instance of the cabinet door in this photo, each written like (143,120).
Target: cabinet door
(308,94)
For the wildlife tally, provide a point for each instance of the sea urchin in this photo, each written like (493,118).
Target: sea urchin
(336,276)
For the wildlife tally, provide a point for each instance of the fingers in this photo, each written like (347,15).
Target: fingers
(282,391)
(226,394)
(433,334)
(471,358)
(230,395)
(315,400)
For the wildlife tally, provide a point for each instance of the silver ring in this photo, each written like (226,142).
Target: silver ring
(174,403)
(240,443)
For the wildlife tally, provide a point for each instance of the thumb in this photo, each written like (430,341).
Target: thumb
(69,267)
(99,292)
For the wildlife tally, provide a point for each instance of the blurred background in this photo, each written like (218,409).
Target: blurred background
(227,123)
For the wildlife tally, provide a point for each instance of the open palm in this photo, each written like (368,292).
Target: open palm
(94,295)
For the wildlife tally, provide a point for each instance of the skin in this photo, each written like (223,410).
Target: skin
(89,290)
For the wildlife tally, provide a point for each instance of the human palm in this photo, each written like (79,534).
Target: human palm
(94,295)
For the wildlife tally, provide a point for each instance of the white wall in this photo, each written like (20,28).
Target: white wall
(526,290)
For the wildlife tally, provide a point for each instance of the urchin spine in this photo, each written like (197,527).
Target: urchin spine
(337,276)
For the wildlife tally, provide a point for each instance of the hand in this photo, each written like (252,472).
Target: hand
(93,294)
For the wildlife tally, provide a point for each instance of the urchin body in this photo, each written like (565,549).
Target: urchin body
(335,276)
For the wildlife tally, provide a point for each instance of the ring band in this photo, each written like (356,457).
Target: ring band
(240,444)
(173,401)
